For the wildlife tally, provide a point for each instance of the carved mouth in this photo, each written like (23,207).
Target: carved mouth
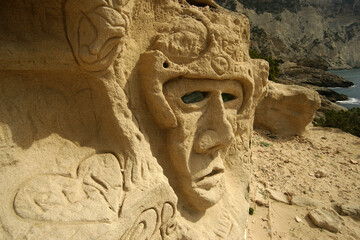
(210,180)
(214,172)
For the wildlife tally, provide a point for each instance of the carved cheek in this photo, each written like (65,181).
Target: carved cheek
(231,116)
(182,139)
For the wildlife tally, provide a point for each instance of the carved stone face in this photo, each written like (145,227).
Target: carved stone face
(206,113)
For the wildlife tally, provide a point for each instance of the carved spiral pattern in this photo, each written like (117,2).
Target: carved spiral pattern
(95,30)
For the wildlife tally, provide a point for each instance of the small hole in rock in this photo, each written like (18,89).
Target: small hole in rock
(165,65)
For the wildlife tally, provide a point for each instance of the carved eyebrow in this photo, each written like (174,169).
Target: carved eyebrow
(193,97)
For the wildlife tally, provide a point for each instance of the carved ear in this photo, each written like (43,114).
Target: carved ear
(155,70)
(94,30)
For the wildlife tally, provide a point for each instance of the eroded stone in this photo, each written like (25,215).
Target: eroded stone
(140,128)
(287,109)
(327,219)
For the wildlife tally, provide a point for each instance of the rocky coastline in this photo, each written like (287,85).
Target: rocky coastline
(317,79)
(318,32)
(310,37)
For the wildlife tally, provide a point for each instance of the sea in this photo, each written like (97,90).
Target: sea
(352,92)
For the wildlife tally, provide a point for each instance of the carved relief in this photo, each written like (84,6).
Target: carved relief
(95,29)
(185,38)
(203,104)
(150,220)
(201,88)
(94,194)
(169,227)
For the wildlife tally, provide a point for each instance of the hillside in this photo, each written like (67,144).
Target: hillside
(326,31)
(319,170)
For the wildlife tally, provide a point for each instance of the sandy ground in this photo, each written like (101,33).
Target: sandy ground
(323,165)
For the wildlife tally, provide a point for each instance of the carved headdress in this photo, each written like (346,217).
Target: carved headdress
(201,46)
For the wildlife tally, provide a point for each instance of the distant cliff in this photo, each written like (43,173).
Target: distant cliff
(310,32)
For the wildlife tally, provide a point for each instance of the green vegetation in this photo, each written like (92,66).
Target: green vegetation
(273,63)
(230,4)
(251,211)
(274,6)
(348,121)
(264,144)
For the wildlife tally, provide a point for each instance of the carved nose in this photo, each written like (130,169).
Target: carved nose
(218,131)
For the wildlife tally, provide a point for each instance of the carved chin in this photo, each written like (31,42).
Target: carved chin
(203,197)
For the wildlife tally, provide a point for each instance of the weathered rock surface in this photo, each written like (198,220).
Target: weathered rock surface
(305,201)
(317,80)
(349,210)
(320,173)
(287,109)
(261,195)
(327,219)
(310,29)
(296,74)
(125,119)
(288,165)
(278,196)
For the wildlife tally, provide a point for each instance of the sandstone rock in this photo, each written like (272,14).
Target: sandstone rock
(329,36)
(327,219)
(261,196)
(122,119)
(287,109)
(320,174)
(312,76)
(278,196)
(352,161)
(317,80)
(349,210)
(305,201)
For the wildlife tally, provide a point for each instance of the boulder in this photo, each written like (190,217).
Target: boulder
(287,109)
(349,210)
(327,219)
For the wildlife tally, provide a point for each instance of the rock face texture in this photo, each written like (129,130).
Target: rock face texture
(125,119)
(327,32)
(287,109)
(327,219)
(296,74)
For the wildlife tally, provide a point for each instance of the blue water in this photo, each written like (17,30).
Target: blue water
(353,92)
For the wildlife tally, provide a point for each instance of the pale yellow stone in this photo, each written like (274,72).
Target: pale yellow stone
(287,109)
(125,119)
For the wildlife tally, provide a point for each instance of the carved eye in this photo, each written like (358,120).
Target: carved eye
(193,97)
(227,97)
